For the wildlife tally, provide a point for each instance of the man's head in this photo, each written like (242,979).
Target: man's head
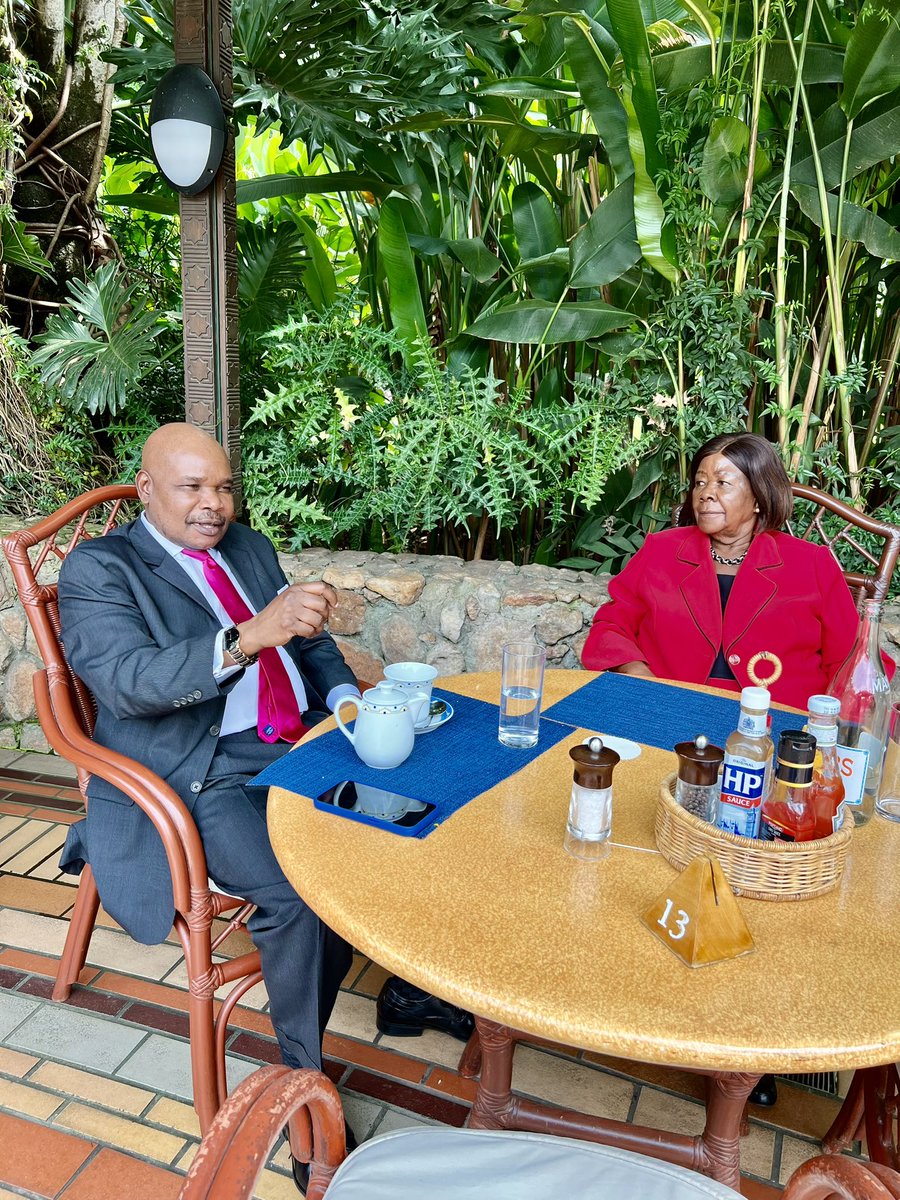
(185,486)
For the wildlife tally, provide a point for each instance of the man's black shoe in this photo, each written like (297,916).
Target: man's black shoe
(765,1093)
(300,1170)
(403,1010)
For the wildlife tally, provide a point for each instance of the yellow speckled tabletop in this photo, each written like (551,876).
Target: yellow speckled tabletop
(490,912)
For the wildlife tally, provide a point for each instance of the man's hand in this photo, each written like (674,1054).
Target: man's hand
(302,610)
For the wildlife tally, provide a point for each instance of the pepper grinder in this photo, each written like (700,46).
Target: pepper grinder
(590,809)
(697,785)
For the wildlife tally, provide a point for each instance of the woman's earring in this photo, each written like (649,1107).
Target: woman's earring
(756,508)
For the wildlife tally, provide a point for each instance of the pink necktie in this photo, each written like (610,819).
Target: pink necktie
(278,717)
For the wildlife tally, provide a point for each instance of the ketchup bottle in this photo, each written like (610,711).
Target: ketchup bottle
(787,814)
(828,784)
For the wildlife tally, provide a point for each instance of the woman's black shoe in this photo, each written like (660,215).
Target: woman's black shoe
(765,1093)
(403,1010)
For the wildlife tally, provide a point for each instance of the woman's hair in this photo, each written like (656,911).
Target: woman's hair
(758,460)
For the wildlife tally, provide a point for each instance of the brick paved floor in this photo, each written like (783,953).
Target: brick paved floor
(95,1094)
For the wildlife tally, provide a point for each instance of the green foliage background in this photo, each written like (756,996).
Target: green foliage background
(504,267)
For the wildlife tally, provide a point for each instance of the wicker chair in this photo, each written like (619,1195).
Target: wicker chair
(844,528)
(67,712)
(450,1164)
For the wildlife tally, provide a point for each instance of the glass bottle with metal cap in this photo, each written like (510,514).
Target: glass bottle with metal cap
(827,794)
(787,814)
(697,785)
(590,809)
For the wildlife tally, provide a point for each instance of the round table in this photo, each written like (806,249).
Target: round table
(490,913)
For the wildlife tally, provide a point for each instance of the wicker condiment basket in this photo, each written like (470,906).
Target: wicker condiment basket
(760,870)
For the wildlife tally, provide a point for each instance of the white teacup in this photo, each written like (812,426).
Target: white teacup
(413,677)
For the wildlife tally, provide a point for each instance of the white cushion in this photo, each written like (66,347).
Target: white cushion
(464,1164)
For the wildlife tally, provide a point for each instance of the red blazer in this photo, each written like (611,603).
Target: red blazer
(788,596)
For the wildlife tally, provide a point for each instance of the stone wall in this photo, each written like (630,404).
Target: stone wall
(391,607)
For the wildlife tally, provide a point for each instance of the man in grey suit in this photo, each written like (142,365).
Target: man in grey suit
(176,684)
(176,677)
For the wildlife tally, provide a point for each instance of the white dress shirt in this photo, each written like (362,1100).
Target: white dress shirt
(242,702)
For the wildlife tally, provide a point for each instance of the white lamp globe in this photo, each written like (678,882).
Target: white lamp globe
(187,129)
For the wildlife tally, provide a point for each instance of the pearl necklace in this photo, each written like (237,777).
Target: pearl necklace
(726,562)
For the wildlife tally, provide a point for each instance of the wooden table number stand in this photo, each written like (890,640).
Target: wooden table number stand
(698,917)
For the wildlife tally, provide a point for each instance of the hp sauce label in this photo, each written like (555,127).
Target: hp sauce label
(743,783)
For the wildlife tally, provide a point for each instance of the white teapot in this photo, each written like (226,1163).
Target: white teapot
(384,734)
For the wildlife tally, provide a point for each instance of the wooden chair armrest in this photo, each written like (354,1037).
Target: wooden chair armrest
(164,807)
(835,1177)
(233,1153)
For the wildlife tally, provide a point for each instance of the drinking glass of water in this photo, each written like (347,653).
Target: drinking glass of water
(521,685)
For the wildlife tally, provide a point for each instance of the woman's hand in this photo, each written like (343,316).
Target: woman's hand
(635,668)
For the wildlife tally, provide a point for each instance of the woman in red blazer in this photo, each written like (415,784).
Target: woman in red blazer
(697,602)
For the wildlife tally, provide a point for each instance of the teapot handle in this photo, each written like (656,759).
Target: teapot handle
(356,702)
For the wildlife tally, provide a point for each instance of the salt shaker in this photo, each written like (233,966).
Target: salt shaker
(697,785)
(590,809)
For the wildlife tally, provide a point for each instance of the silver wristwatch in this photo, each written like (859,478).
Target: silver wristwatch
(232,644)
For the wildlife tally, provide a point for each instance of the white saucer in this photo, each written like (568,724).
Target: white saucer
(437,721)
(624,747)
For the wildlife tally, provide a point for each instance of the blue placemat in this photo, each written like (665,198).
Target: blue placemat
(448,767)
(656,714)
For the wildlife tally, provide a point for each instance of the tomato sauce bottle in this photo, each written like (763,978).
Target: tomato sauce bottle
(787,814)
(828,785)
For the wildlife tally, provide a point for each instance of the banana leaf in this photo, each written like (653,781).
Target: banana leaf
(164,206)
(475,257)
(606,246)
(407,311)
(639,97)
(538,233)
(515,134)
(872,61)
(591,52)
(539,322)
(319,278)
(857,224)
(679,70)
(268,186)
(875,139)
(524,87)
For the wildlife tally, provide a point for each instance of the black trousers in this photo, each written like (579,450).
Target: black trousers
(303,961)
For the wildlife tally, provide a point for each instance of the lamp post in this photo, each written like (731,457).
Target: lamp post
(203,47)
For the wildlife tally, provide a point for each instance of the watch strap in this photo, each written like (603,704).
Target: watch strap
(232,643)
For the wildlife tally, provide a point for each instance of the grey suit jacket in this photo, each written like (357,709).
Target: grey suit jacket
(141,636)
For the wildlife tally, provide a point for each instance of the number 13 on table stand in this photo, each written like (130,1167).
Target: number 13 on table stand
(698,917)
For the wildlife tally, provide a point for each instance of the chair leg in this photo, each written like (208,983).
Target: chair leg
(81,926)
(470,1061)
(204,1068)
(847,1125)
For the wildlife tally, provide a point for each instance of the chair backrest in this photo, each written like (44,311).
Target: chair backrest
(34,555)
(829,522)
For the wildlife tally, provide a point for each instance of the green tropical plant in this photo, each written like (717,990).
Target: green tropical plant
(101,345)
(621,228)
(350,447)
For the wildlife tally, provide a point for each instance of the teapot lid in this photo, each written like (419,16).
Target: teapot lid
(385,694)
